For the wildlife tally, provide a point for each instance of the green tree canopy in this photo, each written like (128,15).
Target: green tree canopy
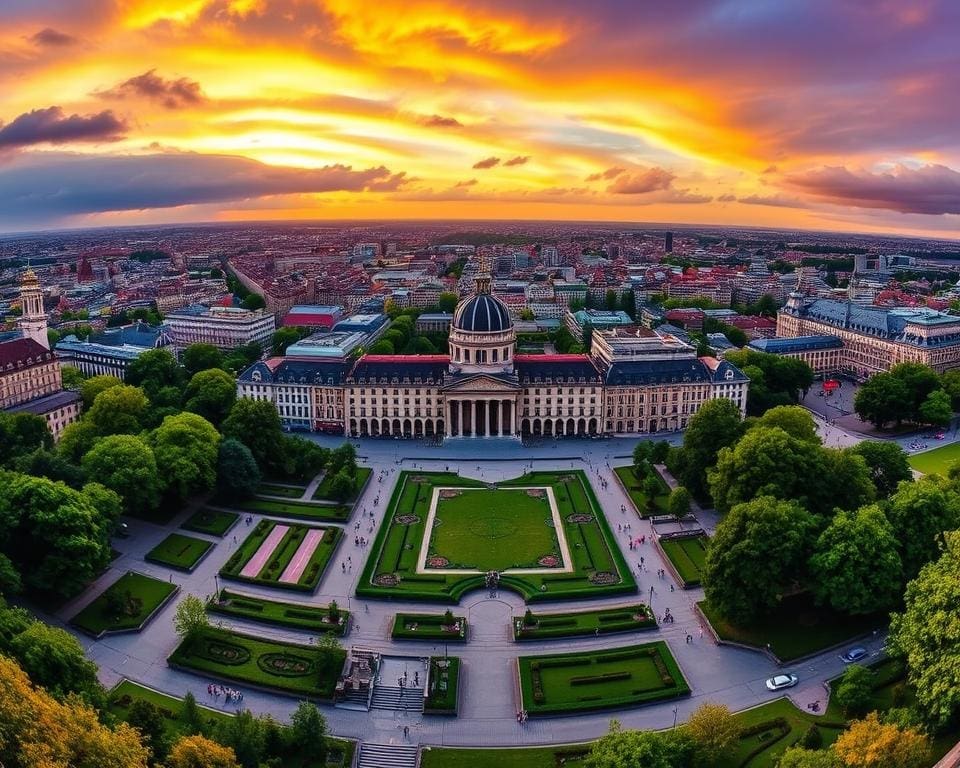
(118,411)
(629,749)
(283,338)
(211,394)
(254,301)
(153,370)
(887,463)
(757,554)
(126,465)
(190,617)
(71,377)
(309,731)
(715,426)
(93,386)
(22,434)
(54,659)
(881,400)
(678,504)
(793,420)
(920,512)
(447,302)
(854,690)
(238,475)
(201,357)
(714,732)
(256,424)
(936,409)
(186,447)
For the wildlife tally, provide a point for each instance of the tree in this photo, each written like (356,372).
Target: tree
(342,486)
(882,399)
(211,394)
(246,735)
(256,424)
(798,757)
(626,749)
(118,411)
(641,458)
(145,716)
(94,386)
(153,370)
(76,440)
(190,617)
(382,347)
(716,425)
(283,338)
(950,381)
(855,565)
(714,732)
(71,377)
(238,476)
(10,583)
(254,302)
(887,463)
(344,457)
(447,302)
(854,690)
(936,409)
(659,452)
(758,552)
(678,504)
(201,357)
(792,419)
(199,752)
(868,743)
(186,447)
(652,488)
(190,714)
(22,433)
(920,381)
(51,465)
(127,465)
(303,459)
(933,657)
(920,512)
(55,659)
(309,731)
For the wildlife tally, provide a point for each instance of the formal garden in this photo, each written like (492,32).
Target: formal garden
(330,619)
(443,627)
(584,681)
(289,556)
(508,528)
(326,488)
(687,554)
(649,496)
(126,605)
(288,667)
(443,693)
(547,626)
(213,522)
(300,510)
(178,551)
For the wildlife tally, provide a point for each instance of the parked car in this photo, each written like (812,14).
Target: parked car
(779,682)
(853,654)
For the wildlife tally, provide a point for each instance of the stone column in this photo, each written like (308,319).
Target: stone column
(476,419)
(513,417)
(489,406)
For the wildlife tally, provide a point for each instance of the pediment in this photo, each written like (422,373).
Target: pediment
(481,383)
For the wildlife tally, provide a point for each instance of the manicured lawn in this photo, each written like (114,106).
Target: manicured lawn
(322,493)
(638,497)
(688,556)
(276,561)
(179,551)
(546,626)
(422,626)
(796,628)
(493,530)
(938,461)
(286,667)
(126,604)
(214,522)
(524,757)
(339,752)
(273,489)
(442,697)
(315,618)
(305,510)
(585,681)
(478,524)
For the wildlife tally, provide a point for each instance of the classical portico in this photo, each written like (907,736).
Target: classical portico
(481,416)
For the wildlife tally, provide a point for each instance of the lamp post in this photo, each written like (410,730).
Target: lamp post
(675,717)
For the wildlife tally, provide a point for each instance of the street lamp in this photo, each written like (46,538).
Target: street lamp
(675,717)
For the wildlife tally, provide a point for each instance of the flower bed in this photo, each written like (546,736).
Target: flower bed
(688,556)
(433,627)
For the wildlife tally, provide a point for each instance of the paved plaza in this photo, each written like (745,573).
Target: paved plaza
(489,698)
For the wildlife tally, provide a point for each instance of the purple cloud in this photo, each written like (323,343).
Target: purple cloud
(489,162)
(518,160)
(607,175)
(439,121)
(48,37)
(641,182)
(50,126)
(173,94)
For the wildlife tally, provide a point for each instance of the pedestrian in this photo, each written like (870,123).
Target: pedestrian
(343,567)
(671,587)
(406,731)
(701,632)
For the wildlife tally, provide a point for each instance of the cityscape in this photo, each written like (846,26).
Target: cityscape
(465,385)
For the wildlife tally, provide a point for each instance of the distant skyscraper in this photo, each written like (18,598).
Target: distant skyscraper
(668,242)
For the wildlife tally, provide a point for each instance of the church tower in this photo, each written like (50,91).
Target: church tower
(33,320)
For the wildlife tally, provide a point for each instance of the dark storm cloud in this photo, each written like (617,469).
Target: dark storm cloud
(51,126)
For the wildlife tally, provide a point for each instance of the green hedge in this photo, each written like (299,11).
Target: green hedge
(580,623)
(429,627)
(293,615)
(214,522)
(442,696)
(179,551)
(146,594)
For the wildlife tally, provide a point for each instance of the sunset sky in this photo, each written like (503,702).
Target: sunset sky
(830,114)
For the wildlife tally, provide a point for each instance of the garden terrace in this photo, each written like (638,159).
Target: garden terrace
(422,626)
(305,510)
(582,682)
(442,694)
(286,556)
(270,664)
(634,489)
(214,522)
(546,626)
(313,618)
(126,605)
(796,628)
(477,530)
(687,554)
(322,492)
(179,551)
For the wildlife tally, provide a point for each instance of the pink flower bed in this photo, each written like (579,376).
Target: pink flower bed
(255,564)
(298,564)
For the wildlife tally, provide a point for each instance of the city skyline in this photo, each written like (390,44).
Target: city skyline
(824,116)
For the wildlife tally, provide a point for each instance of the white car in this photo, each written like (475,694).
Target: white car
(779,682)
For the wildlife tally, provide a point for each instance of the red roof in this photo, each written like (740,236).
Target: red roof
(309,318)
(406,358)
(18,351)
(549,358)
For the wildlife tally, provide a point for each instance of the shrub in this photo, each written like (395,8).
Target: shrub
(812,738)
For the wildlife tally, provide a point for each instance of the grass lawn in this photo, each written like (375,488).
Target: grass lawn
(477,526)
(937,461)
(213,522)
(688,556)
(493,530)
(315,618)
(322,493)
(305,510)
(524,757)
(546,626)
(442,697)
(286,667)
(796,628)
(585,681)
(340,751)
(126,604)
(179,551)
(638,497)
(273,489)
(421,626)
(280,557)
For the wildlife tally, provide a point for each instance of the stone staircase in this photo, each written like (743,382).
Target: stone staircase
(354,700)
(387,756)
(396,698)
